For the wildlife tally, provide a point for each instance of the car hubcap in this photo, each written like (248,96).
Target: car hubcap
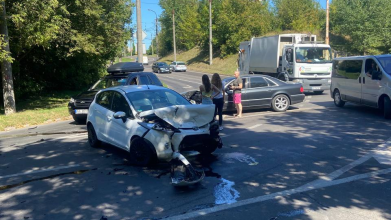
(281,103)
(337,98)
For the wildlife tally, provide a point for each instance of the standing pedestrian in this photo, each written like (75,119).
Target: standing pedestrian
(218,98)
(206,90)
(237,86)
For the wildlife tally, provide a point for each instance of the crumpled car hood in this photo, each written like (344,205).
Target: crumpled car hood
(184,116)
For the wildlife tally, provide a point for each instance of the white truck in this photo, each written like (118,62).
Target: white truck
(289,57)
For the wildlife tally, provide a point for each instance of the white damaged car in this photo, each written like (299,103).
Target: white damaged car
(153,123)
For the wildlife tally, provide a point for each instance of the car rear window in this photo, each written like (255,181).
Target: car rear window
(180,63)
(155,80)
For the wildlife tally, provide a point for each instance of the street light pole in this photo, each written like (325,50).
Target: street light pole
(157,44)
(139,33)
(173,33)
(210,33)
(327,21)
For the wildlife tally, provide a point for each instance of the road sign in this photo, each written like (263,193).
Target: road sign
(144,35)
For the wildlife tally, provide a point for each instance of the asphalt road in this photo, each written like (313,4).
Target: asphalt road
(315,161)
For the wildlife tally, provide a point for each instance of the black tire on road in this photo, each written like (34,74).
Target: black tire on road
(280,103)
(79,120)
(92,138)
(318,92)
(387,108)
(207,149)
(337,99)
(140,153)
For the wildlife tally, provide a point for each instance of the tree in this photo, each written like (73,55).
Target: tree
(363,27)
(6,69)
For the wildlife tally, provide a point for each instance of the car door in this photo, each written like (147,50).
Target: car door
(351,71)
(370,87)
(120,130)
(102,114)
(258,92)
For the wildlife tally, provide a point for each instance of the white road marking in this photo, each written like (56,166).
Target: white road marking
(180,79)
(188,86)
(39,171)
(323,182)
(254,126)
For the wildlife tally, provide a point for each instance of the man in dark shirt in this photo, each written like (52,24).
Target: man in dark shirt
(237,86)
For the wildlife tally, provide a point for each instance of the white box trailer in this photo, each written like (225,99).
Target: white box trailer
(284,57)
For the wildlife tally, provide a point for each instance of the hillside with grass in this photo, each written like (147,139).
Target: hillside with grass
(199,62)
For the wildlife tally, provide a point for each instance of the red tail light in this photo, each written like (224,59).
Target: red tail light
(301,89)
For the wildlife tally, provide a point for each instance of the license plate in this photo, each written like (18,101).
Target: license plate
(315,88)
(81,111)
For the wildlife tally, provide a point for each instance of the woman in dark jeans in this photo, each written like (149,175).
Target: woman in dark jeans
(218,98)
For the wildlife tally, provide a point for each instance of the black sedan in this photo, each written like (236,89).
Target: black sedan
(259,91)
(161,67)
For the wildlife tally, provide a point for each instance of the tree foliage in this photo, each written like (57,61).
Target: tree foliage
(64,44)
(364,27)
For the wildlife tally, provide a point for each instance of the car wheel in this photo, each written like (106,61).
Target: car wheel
(79,120)
(92,138)
(387,108)
(318,92)
(337,99)
(140,153)
(208,148)
(280,103)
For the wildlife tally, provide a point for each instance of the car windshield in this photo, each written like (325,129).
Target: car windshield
(162,65)
(227,80)
(155,99)
(313,55)
(108,82)
(180,63)
(385,62)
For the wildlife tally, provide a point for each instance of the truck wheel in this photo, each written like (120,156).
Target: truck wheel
(140,153)
(92,138)
(387,108)
(318,92)
(280,103)
(337,99)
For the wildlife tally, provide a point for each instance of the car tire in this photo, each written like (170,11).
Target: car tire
(79,120)
(337,99)
(140,153)
(318,92)
(207,149)
(92,138)
(387,108)
(280,103)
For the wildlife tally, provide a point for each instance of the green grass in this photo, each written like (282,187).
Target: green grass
(36,110)
(124,59)
(199,62)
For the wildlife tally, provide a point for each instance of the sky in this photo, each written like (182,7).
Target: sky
(148,17)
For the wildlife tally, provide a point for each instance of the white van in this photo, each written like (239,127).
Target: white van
(364,80)
(145,60)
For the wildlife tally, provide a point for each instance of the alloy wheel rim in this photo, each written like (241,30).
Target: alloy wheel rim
(337,98)
(281,103)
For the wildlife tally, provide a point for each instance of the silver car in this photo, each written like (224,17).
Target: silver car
(178,66)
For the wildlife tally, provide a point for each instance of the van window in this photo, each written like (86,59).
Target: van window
(386,63)
(348,69)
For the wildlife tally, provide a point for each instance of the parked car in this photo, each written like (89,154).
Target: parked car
(126,73)
(178,66)
(161,67)
(152,123)
(363,80)
(259,91)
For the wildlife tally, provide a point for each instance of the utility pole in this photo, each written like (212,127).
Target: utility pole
(157,42)
(210,33)
(6,68)
(152,43)
(139,33)
(173,32)
(327,21)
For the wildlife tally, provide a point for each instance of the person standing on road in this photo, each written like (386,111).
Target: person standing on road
(237,86)
(218,98)
(206,90)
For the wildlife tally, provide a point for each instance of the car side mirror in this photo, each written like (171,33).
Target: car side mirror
(376,75)
(120,115)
